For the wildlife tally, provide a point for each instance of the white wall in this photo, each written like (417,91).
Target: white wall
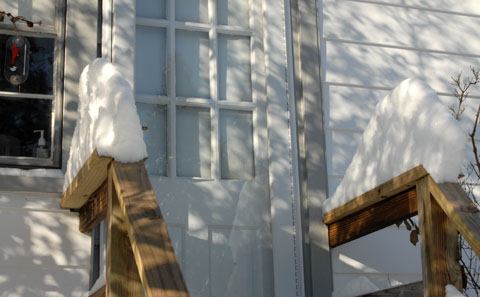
(42,253)
(368,47)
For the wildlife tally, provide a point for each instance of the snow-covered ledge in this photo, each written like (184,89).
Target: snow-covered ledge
(108,121)
(386,182)
(410,127)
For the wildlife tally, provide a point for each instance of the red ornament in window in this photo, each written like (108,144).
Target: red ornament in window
(17,59)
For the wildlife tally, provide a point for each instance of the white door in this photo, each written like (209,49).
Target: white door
(200,90)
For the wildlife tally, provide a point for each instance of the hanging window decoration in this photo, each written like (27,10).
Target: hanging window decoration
(17,59)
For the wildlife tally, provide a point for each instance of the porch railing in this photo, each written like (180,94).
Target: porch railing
(139,253)
(443,211)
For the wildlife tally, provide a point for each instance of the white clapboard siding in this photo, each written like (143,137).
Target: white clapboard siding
(354,260)
(368,47)
(400,26)
(468,7)
(42,253)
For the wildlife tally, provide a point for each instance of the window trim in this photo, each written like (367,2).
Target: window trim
(58,33)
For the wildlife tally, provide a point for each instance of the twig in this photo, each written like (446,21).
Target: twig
(15,19)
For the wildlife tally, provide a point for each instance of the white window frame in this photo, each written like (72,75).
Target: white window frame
(57,33)
(213,103)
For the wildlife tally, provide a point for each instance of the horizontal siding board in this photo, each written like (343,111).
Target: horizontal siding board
(42,238)
(387,67)
(381,281)
(30,200)
(341,146)
(401,26)
(468,7)
(333,182)
(41,250)
(356,256)
(34,281)
(350,108)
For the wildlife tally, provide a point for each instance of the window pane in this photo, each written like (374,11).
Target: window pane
(233,12)
(151,8)
(193,142)
(155,118)
(40,77)
(150,65)
(234,75)
(19,119)
(191,11)
(236,145)
(192,69)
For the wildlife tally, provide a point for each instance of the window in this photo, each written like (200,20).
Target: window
(30,111)
(194,84)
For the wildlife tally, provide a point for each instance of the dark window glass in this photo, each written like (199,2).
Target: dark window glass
(19,119)
(40,77)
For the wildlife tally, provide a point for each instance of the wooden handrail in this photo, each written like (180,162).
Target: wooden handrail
(140,254)
(444,210)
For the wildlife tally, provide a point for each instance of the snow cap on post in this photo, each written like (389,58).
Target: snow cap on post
(410,127)
(107,119)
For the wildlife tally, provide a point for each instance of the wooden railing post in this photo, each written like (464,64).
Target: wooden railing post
(140,254)
(153,251)
(122,278)
(438,244)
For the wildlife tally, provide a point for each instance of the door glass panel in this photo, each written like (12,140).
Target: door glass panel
(151,9)
(150,65)
(233,267)
(191,11)
(236,145)
(193,142)
(192,69)
(19,121)
(234,70)
(233,12)
(154,116)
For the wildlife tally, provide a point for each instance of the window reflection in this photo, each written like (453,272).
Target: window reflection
(19,119)
(40,78)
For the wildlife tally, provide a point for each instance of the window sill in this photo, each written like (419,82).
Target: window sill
(31,183)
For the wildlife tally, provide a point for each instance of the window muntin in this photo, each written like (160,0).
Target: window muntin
(209,65)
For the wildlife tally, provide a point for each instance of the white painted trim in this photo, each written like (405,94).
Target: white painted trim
(297,204)
(107,29)
(287,274)
(123,38)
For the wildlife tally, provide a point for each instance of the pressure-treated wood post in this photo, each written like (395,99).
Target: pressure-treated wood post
(123,279)
(153,252)
(438,244)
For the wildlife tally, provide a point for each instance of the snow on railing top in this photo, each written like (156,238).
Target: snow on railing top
(410,127)
(107,120)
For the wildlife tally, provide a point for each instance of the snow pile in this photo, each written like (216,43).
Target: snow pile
(451,291)
(410,127)
(356,287)
(99,283)
(108,119)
